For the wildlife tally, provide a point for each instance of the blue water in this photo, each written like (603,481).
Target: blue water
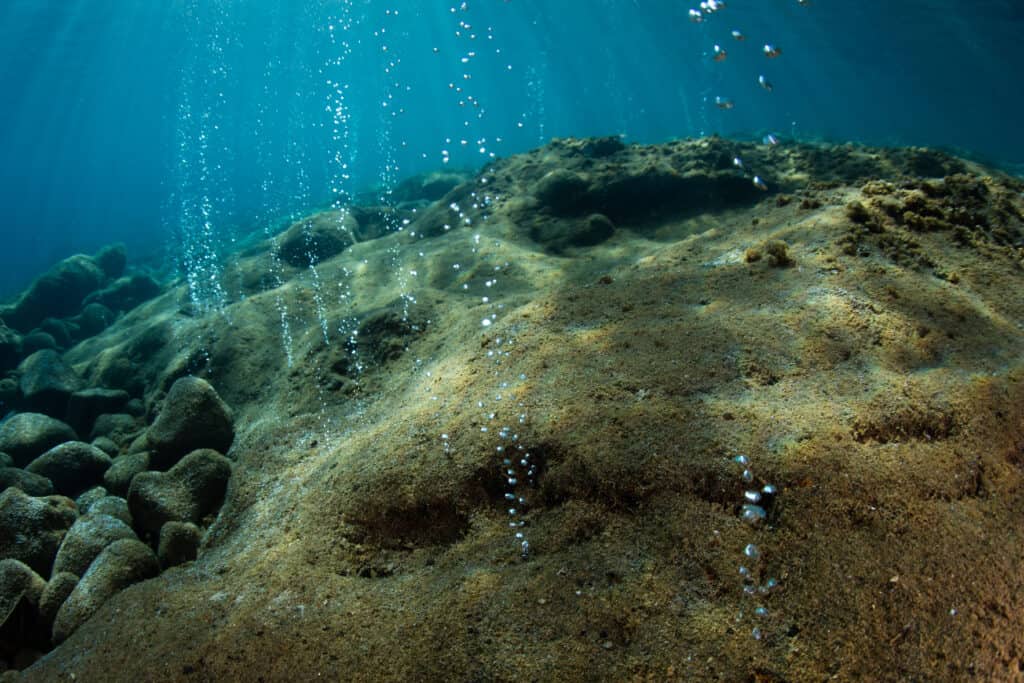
(149,122)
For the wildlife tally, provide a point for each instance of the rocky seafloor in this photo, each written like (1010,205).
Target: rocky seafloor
(598,412)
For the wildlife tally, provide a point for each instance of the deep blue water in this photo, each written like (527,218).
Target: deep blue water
(143,121)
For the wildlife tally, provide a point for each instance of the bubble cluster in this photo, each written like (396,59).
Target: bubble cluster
(758,502)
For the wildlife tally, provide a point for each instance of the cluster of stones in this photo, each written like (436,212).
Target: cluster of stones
(76,299)
(81,521)
(756,506)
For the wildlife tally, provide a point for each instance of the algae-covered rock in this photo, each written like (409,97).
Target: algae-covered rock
(57,293)
(32,484)
(121,564)
(6,460)
(193,417)
(37,340)
(18,584)
(47,383)
(120,428)
(179,543)
(561,191)
(86,405)
(317,238)
(107,445)
(112,260)
(60,330)
(188,492)
(428,186)
(125,293)
(26,436)
(119,477)
(93,319)
(31,529)
(560,235)
(57,590)
(72,467)
(86,498)
(114,506)
(10,347)
(86,539)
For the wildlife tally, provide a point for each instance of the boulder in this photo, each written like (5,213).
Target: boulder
(93,319)
(10,348)
(317,238)
(57,590)
(59,330)
(18,584)
(193,416)
(125,293)
(120,428)
(119,477)
(188,492)
(26,436)
(121,564)
(86,405)
(72,467)
(114,506)
(6,461)
(559,235)
(37,340)
(106,445)
(112,260)
(561,191)
(57,293)
(428,186)
(32,484)
(86,539)
(31,529)
(179,543)
(85,499)
(47,383)
(9,394)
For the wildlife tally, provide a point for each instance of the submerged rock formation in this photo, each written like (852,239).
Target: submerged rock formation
(600,411)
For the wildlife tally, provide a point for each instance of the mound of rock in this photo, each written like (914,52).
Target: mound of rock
(125,293)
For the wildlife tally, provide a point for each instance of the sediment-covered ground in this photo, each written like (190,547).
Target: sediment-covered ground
(589,335)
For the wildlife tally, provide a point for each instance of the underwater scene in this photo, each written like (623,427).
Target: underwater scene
(510,340)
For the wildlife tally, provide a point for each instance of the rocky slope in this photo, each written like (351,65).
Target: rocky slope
(598,413)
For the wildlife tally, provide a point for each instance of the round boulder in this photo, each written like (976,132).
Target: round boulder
(31,529)
(188,492)
(47,382)
(114,506)
(57,293)
(57,590)
(86,405)
(193,417)
(32,484)
(179,543)
(119,477)
(86,539)
(18,583)
(317,238)
(121,564)
(26,436)
(72,467)
(112,260)
(126,293)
